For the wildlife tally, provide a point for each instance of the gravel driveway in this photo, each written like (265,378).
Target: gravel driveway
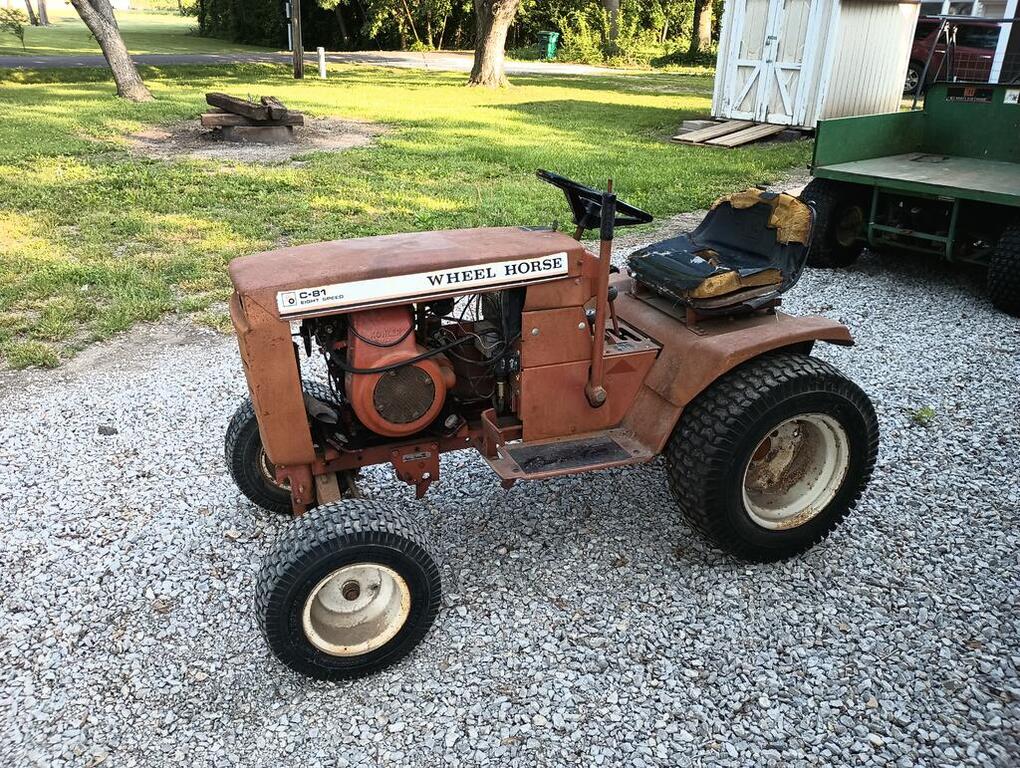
(584,623)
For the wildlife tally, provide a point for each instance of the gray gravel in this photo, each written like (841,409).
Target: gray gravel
(584,622)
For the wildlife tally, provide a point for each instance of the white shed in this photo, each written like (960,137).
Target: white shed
(794,62)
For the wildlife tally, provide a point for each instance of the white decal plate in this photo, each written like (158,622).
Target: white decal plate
(1012,96)
(383,290)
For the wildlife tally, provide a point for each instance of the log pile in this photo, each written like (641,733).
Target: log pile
(266,120)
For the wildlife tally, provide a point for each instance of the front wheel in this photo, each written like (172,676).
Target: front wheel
(347,590)
(250,467)
(770,459)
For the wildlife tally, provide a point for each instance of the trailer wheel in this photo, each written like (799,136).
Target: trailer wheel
(769,459)
(347,590)
(839,219)
(250,467)
(1004,272)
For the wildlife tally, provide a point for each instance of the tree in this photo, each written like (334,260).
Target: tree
(494,18)
(12,20)
(612,8)
(44,17)
(98,17)
(32,18)
(701,27)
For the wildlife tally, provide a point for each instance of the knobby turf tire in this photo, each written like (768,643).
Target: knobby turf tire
(1004,272)
(708,452)
(318,543)
(830,200)
(242,450)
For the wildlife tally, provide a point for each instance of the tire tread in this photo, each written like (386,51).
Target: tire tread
(711,425)
(321,532)
(1004,272)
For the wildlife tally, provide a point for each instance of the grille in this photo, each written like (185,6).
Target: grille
(404,395)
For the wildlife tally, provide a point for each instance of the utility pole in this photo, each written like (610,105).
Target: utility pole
(298,45)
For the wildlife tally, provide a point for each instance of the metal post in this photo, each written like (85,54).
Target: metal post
(298,45)
(322,61)
(290,32)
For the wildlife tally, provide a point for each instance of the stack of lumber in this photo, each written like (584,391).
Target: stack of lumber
(230,112)
(730,133)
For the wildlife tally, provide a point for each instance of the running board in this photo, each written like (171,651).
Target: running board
(568,456)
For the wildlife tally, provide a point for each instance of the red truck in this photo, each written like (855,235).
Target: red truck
(970,58)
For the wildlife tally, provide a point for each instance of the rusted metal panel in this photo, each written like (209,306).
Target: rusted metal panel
(693,357)
(553,401)
(262,277)
(651,418)
(559,293)
(274,381)
(551,336)
(417,465)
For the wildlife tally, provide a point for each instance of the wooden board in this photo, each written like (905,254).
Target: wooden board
(747,135)
(275,107)
(228,120)
(269,108)
(712,131)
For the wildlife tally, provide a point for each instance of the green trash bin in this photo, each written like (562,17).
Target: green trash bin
(547,42)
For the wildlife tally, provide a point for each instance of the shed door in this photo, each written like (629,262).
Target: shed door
(769,75)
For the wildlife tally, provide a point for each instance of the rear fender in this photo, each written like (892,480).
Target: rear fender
(691,359)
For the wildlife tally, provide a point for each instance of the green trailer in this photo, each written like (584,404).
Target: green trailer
(943,181)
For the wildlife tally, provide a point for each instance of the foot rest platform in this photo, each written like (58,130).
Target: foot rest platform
(566,456)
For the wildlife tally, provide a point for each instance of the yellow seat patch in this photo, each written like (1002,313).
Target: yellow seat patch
(728,282)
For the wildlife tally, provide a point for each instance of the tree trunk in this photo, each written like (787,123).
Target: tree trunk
(612,8)
(705,33)
(701,27)
(494,18)
(32,18)
(344,37)
(44,17)
(410,20)
(98,17)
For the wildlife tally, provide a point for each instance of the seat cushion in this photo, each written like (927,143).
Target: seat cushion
(749,249)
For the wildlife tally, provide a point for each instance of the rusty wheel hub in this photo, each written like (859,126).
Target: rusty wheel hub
(795,471)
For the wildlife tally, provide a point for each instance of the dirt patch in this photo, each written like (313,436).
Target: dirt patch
(190,140)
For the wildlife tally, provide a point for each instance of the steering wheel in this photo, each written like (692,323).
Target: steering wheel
(586,204)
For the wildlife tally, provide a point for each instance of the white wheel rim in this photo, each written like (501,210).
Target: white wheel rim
(356,609)
(268,470)
(795,471)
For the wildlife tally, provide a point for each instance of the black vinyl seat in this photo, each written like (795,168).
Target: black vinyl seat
(748,250)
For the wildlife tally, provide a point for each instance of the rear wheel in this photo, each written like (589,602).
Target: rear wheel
(347,590)
(250,467)
(1004,272)
(840,222)
(771,458)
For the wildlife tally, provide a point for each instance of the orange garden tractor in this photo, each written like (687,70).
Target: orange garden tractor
(519,343)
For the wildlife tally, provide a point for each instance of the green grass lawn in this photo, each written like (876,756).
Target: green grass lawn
(93,239)
(143,33)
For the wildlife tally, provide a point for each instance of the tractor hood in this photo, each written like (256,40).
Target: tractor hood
(347,275)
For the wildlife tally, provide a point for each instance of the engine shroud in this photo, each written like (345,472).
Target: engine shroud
(403,400)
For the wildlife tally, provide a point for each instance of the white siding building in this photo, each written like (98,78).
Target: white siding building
(794,62)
